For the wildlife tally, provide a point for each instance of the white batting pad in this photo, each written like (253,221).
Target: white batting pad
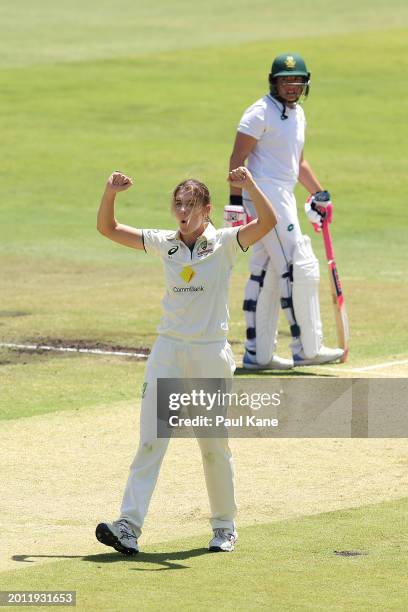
(267,315)
(305,296)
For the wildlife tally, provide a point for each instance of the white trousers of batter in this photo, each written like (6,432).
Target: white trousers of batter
(177,359)
(277,247)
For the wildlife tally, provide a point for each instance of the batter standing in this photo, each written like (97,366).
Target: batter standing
(192,342)
(284,270)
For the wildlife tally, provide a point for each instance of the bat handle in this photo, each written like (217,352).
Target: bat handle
(328,244)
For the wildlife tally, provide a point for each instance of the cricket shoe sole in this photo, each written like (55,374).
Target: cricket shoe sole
(106,536)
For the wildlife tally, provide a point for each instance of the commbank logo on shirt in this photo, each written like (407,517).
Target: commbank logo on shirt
(187,274)
(187,289)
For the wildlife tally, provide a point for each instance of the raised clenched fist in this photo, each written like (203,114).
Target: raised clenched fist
(119,182)
(240,177)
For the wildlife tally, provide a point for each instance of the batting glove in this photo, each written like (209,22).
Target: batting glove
(234,212)
(318,207)
(234,215)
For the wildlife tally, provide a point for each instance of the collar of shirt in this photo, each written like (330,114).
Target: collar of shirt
(208,233)
(203,246)
(279,104)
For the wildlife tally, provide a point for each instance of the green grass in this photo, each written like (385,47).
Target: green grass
(287,565)
(41,383)
(172,115)
(41,33)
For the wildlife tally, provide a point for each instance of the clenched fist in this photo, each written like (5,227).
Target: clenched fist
(119,182)
(241,178)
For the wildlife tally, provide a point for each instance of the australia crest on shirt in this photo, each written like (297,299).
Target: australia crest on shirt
(205,247)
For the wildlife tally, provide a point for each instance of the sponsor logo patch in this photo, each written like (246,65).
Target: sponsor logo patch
(187,289)
(173,250)
(187,274)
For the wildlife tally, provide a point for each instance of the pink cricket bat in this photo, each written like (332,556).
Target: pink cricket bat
(340,313)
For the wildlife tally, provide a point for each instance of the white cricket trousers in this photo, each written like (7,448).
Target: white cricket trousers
(277,247)
(178,359)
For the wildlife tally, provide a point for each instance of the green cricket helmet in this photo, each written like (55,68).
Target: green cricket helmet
(289,64)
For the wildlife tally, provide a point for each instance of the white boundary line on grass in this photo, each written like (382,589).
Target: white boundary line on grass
(62,349)
(379,366)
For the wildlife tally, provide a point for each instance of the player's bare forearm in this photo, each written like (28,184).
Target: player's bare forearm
(107,224)
(266,216)
(236,161)
(243,145)
(308,178)
(106,221)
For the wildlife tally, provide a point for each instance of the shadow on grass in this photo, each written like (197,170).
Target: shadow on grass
(166,560)
(280,373)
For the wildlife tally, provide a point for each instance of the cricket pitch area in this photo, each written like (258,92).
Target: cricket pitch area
(46,501)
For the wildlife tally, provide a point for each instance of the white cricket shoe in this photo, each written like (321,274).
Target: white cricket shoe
(325,355)
(276,363)
(223,540)
(119,535)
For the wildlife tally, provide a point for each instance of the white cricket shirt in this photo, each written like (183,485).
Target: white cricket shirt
(277,153)
(197,282)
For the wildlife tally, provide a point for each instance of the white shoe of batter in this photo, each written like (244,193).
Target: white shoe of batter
(276,363)
(325,355)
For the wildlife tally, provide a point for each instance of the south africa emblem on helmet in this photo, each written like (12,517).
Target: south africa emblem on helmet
(290,62)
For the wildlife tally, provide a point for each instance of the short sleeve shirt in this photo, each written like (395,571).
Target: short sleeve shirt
(195,304)
(276,155)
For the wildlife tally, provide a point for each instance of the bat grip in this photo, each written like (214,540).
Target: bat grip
(328,244)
